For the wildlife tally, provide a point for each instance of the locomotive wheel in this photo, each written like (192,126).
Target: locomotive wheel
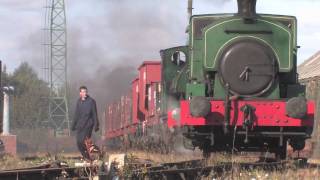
(297,144)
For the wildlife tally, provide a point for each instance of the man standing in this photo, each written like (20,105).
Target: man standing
(85,119)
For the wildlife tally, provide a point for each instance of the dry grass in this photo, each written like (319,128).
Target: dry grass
(158,158)
(8,162)
(289,174)
(216,158)
(162,158)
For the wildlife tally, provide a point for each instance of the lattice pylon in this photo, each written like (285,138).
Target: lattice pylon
(56,66)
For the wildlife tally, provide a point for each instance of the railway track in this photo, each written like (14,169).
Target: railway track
(53,171)
(196,169)
(139,169)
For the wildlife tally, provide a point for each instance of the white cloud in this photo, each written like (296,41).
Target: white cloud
(317,35)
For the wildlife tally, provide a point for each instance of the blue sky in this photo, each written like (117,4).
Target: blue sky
(108,32)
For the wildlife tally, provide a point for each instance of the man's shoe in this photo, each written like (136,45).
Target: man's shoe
(93,149)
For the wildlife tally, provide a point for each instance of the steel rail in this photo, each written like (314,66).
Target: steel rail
(44,172)
(197,167)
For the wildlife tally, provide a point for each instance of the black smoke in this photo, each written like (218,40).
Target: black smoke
(105,49)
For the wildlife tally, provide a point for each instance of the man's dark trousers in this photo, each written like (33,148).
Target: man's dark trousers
(82,135)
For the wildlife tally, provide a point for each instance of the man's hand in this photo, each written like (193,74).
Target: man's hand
(96,128)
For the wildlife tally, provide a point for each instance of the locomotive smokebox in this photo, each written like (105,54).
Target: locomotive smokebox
(247,9)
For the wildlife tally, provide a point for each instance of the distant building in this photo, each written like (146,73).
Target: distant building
(309,74)
(310,68)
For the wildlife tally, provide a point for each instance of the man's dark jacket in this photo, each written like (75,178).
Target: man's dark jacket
(85,115)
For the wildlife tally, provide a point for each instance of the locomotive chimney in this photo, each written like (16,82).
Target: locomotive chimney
(189,9)
(247,9)
(190,2)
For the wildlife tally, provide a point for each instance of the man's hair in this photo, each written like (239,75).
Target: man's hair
(83,87)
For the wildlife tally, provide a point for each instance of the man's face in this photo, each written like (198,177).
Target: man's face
(83,93)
